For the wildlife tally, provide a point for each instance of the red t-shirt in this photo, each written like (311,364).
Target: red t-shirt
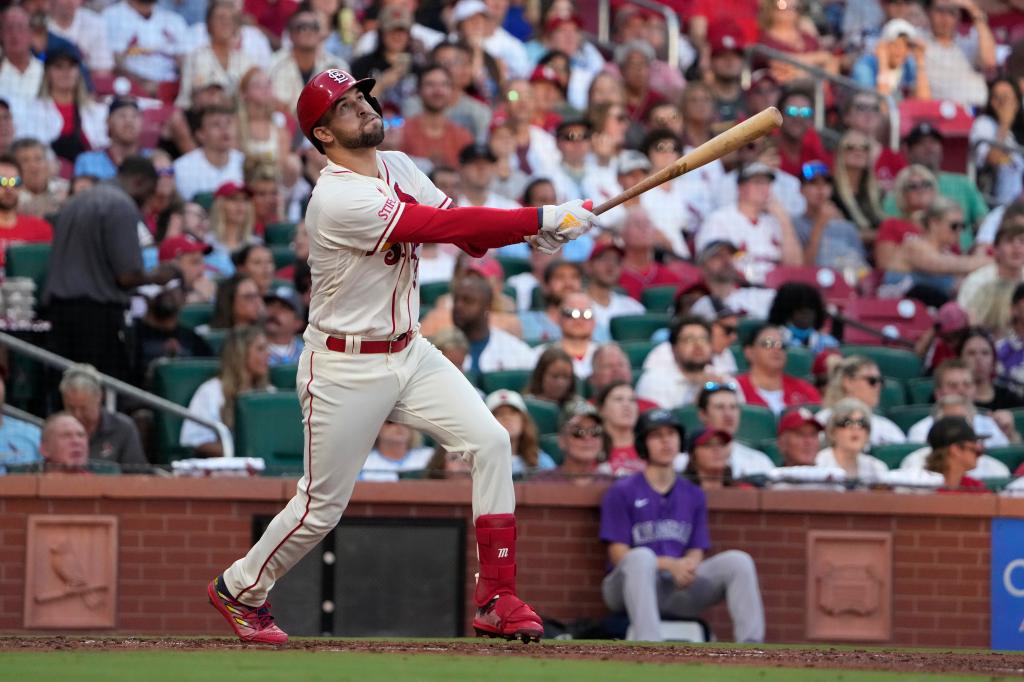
(895,230)
(441,151)
(634,281)
(67,115)
(887,165)
(742,12)
(794,391)
(812,149)
(623,460)
(272,15)
(26,228)
(967,485)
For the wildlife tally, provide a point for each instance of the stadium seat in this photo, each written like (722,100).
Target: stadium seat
(637,327)
(659,299)
(511,379)
(898,319)
(537,299)
(153,121)
(269,425)
(830,283)
(204,199)
(744,327)
(279,234)
(176,380)
(215,339)
(953,120)
(906,416)
(1018,418)
(770,447)
(893,453)
(1010,455)
(283,376)
(741,360)
(430,292)
(921,390)
(756,424)
(895,363)
(799,362)
(194,314)
(544,414)
(637,352)
(29,260)
(513,266)
(549,444)
(893,394)
(687,416)
(283,255)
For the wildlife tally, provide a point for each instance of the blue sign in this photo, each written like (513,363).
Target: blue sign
(1008,584)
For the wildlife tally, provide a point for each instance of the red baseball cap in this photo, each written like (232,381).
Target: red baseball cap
(543,73)
(230,189)
(601,248)
(486,267)
(172,247)
(820,365)
(555,22)
(725,36)
(797,418)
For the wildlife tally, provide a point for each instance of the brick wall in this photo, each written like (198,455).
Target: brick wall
(176,534)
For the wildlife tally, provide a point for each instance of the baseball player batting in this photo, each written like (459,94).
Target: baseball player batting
(364,362)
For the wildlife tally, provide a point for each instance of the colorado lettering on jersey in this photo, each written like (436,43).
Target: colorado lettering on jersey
(647,532)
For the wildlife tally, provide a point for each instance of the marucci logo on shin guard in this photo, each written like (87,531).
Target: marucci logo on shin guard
(503,552)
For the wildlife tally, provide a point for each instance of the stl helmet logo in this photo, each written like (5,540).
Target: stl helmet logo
(337,76)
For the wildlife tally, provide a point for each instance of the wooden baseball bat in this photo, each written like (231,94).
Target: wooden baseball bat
(717,147)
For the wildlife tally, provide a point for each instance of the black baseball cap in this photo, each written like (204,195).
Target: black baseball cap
(122,102)
(476,152)
(950,431)
(922,130)
(69,52)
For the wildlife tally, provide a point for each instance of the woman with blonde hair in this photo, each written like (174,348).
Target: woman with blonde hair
(914,189)
(64,116)
(848,431)
(263,131)
(232,226)
(859,377)
(856,187)
(244,367)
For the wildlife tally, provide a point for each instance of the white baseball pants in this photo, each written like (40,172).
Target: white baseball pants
(345,398)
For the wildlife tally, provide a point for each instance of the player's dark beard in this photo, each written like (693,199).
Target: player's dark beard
(365,139)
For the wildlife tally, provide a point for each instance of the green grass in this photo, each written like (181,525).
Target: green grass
(264,666)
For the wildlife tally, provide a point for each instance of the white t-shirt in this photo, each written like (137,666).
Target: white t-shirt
(193,173)
(775,399)
(750,301)
(883,430)
(503,351)
(524,283)
(759,244)
(746,461)
(868,468)
(785,188)
(207,401)
(438,268)
(990,225)
(983,424)
(367,42)
(723,364)
(88,32)
(988,466)
(362,284)
(504,46)
(582,367)
(20,85)
(618,304)
(379,468)
(40,119)
(254,43)
(493,200)
(667,386)
(150,46)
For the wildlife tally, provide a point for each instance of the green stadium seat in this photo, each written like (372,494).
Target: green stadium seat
(1018,418)
(892,362)
(637,327)
(921,390)
(637,352)
(1010,455)
(511,379)
(176,380)
(744,327)
(215,339)
(509,291)
(29,260)
(513,266)
(756,424)
(893,453)
(413,475)
(193,315)
(544,414)
(537,299)
(269,425)
(741,360)
(279,234)
(906,416)
(770,447)
(659,299)
(687,416)
(283,255)
(799,362)
(204,199)
(996,485)
(893,394)
(549,444)
(283,376)
(431,291)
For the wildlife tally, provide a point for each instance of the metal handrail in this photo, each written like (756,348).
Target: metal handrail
(972,167)
(819,76)
(672,27)
(156,402)
(18,413)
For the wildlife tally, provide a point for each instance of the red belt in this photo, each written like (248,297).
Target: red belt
(393,346)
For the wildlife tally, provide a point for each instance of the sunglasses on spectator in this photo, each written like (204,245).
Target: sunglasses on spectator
(865,108)
(666,146)
(592,432)
(578,313)
(306,26)
(11,181)
(771,344)
(850,421)
(715,387)
(576,136)
(799,112)
(873,380)
(914,186)
(957,225)
(855,147)
(813,170)
(728,329)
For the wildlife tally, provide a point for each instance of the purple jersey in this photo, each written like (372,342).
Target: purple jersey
(637,515)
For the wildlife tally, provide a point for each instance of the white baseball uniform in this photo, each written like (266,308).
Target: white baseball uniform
(364,237)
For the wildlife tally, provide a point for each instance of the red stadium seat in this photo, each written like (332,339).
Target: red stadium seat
(903,319)
(953,120)
(831,283)
(153,120)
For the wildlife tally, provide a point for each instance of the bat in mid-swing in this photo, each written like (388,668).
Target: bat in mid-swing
(728,141)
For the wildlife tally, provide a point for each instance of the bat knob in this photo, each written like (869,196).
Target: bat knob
(588,204)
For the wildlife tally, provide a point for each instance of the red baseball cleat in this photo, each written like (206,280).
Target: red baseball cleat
(251,624)
(508,617)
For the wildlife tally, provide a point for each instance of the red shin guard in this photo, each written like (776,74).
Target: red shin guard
(496,546)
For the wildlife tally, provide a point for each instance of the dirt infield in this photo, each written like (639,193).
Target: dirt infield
(938,661)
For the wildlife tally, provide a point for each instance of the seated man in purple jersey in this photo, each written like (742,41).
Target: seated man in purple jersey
(656,527)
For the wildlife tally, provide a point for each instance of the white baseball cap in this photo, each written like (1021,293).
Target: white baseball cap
(502,397)
(468,8)
(895,28)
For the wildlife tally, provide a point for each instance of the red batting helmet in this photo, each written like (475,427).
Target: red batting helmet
(322,91)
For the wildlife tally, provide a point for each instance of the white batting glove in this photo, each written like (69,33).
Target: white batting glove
(545,242)
(567,221)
